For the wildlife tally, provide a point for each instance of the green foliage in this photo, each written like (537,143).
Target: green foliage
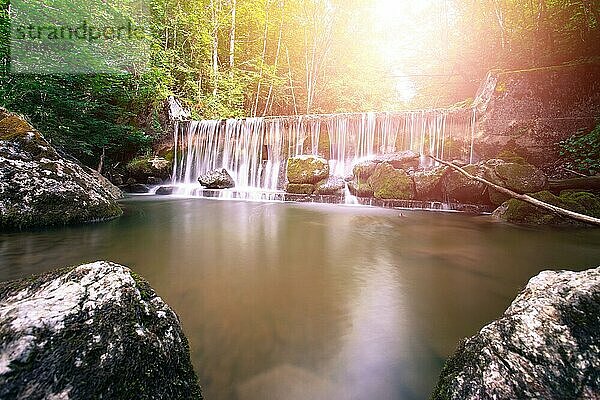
(582,151)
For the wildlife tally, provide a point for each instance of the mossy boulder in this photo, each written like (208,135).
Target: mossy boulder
(399,160)
(39,187)
(95,331)
(459,188)
(520,178)
(391,183)
(332,186)
(360,188)
(300,188)
(428,184)
(307,170)
(364,169)
(545,346)
(519,212)
(144,168)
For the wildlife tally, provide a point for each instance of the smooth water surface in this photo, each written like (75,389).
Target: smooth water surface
(294,301)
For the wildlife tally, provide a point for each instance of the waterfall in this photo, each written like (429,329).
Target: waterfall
(255,150)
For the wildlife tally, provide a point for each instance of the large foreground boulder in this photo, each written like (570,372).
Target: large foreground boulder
(39,187)
(307,170)
(218,179)
(545,346)
(96,331)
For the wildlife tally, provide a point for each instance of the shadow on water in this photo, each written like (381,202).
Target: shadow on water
(292,301)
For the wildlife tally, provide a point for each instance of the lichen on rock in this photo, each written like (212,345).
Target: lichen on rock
(520,178)
(88,332)
(545,346)
(39,187)
(518,212)
(307,169)
(388,182)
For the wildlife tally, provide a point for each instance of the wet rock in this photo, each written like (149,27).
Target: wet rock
(332,186)
(400,160)
(307,169)
(90,332)
(459,188)
(165,191)
(360,188)
(218,179)
(519,212)
(520,178)
(364,169)
(428,184)
(39,187)
(391,183)
(142,168)
(137,188)
(545,346)
(300,188)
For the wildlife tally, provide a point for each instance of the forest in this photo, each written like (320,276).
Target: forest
(247,58)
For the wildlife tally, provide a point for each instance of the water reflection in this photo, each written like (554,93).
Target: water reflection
(286,301)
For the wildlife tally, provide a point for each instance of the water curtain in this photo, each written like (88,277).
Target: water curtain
(255,150)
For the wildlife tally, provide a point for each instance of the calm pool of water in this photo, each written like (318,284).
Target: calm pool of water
(291,301)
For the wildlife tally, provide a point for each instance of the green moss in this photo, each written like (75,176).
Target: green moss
(511,157)
(390,183)
(519,212)
(300,188)
(307,170)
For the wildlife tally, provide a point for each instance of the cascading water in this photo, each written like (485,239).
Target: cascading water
(255,150)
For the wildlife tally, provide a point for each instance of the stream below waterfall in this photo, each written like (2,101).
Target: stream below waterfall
(312,301)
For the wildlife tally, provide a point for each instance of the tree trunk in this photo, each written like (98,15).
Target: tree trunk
(269,102)
(587,183)
(526,198)
(232,36)
(262,62)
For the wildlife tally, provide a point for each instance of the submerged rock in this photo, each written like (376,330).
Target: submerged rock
(518,212)
(218,179)
(391,183)
(545,346)
(90,332)
(307,169)
(39,187)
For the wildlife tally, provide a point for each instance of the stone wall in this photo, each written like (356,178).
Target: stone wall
(528,112)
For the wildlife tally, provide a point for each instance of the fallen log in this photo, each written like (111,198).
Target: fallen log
(587,183)
(526,198)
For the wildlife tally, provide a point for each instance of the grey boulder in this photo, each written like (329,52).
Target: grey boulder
(90,332)
(545,346)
